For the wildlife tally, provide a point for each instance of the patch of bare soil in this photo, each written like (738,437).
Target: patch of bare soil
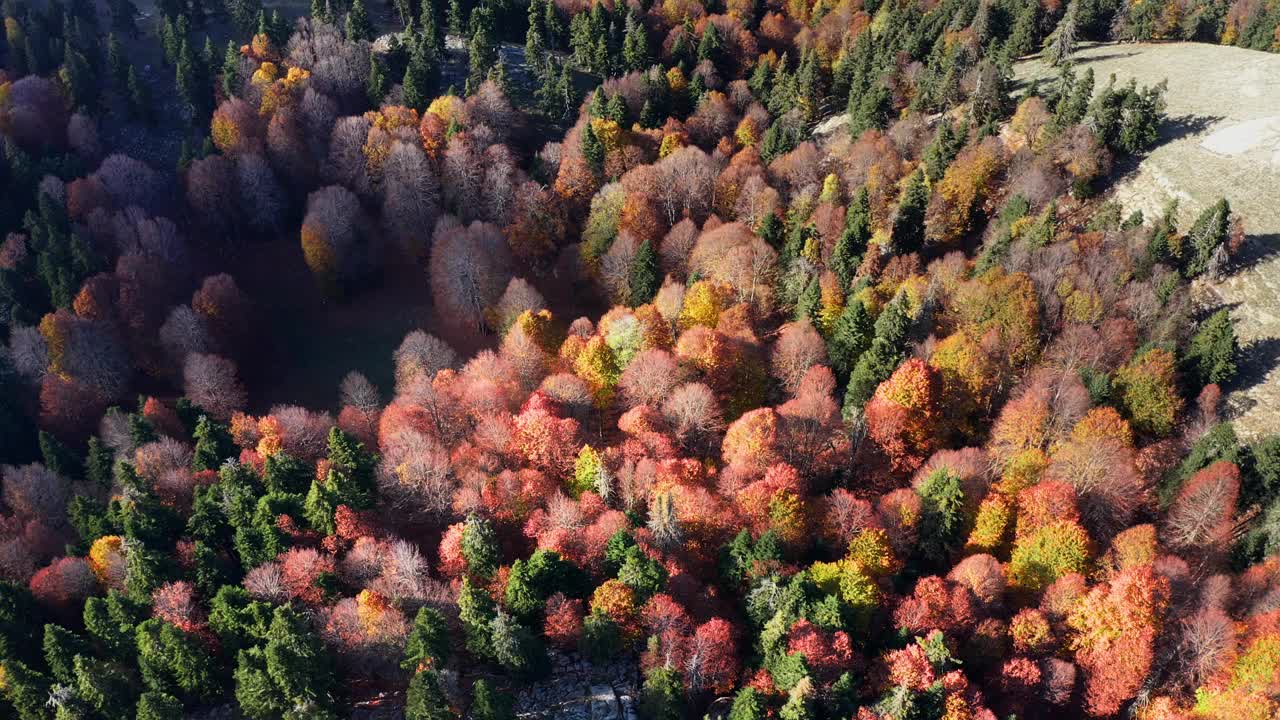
(1222,139)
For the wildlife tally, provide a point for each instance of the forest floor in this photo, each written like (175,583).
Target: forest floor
(1222,138)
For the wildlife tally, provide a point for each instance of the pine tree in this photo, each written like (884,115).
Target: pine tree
(99,463)
(116,61)
(847,254)
(1063,41)
(482,53)
(643,279)
(635,47)
(1207,234)
(428,644)
(59,458)
(213,444)
(476,612)
(231,70)
(490,704)
(850,338)
(61,646)
(419,75)
(1211,356)
(480,546)
(159,706)
(592,149)
(908,222)
(377,86)
(358,26)
(425,700)
(616,110)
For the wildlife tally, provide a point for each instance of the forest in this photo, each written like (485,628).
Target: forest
(787,350)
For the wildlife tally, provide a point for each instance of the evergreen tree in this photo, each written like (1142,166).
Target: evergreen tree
(99,464)
(771,230)
(377,86)
(116,61)
(213,444)
(908,221)
(1208,233)
(709,46)
(1063,41)
(662,695)
(480,546)
(476,613)
(59,458)
(425,700)
(942,503)
(870,110)
(26,689)
(643,279)
(514,647)
(482,53)
(231,70)
(592,149)
(848,251)
(358,26)
(1211,356)
(616,110)
(100,684)
(296,660)
(428,644)
(159,706)
(490,704)
(747,705)
(850,338)
(635,47)
(809,303)
(61,646)
(419,75)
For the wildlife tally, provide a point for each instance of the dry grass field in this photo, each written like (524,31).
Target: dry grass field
(1222,138)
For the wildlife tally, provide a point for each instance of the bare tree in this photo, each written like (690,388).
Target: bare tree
(469,269)
(210,382)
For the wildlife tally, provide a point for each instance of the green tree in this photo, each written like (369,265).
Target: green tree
(747,705)
(490,704)
(358,26)
(482,54)
(643,279)
(662,695)
(139,96)
(231,70)
(425,700)
(27,690)
(103,686)
(419,75)
(908,222)
(635,46)
(515,648)
(171,661)
(116,60)
(61,646)
(1211,356)
(851,336)
(476,612)
(480,546)
(159,706)
(1207,234)
(428,644)
(213,444)
(853,241)
(377,86)
(592,149)
(59,458)
(941,521)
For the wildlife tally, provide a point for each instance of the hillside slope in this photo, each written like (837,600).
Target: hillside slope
(1222,138)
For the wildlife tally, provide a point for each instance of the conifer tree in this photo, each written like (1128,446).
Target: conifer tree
(490,704)
(851,337)
(418,75)
(643,279)
(358,26)
(853,241)
(592,149)
(1211,356)
(377,85)
(908,221)
(425,700)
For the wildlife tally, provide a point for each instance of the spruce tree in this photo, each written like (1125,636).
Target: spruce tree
(358,26)
(908,222)
(159,706)
(592,149)
(480,546)
(643,279)
(1211,356)
(59,458)
(61,646)
(428,644)
(231,70)
(847,254)
(377,85)
(99,463)
(662,695)
(490,704)
(850,338)
(476,612)
(425,700)
(418,75)
(635,47)
(213,444)
(116,61)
